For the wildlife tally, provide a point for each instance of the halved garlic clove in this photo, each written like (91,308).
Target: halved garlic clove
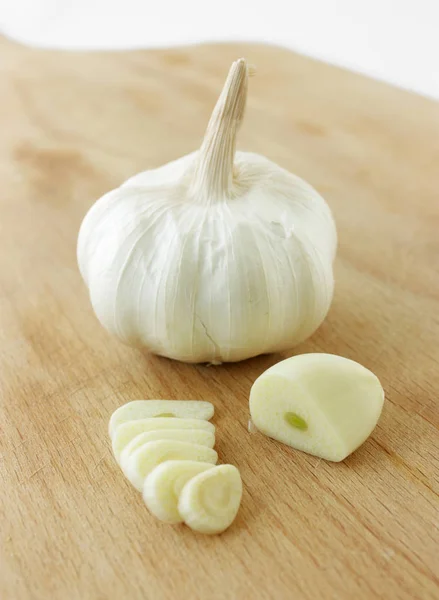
(162,487)
(128,431)
(209,502)
(145,409)
(195,436)
(323,404)
(142,461)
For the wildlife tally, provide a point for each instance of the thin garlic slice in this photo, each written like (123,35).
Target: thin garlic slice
(323,404)
(145,409)
(195,436)
(128,431)
(209,502)
(162,487)
(142,461)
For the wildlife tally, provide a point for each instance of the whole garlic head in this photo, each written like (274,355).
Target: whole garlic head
(217,256)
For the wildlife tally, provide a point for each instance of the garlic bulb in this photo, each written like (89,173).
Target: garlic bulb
(217,256)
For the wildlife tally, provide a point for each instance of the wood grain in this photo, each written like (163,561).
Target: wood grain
(74,125)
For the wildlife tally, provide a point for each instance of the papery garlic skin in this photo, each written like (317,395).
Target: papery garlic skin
(217,256)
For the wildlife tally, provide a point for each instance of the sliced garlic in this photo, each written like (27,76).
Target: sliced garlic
(142,461)
(128,431)
(162,487)
(209,502)
(145,409)
(193,436)
(323,404)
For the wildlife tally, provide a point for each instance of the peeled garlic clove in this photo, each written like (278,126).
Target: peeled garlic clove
(162,487)
(209,502)
(323,404)
(128,431)
(193,436)
(142,461)
(145,409)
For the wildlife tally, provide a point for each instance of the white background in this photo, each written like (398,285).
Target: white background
(394,40)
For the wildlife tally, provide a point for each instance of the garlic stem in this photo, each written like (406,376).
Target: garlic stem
(213,176)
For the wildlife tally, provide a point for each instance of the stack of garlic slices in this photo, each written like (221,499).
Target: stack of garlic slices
(165,449)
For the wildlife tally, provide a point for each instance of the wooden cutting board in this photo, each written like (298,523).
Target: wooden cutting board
(74,125)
